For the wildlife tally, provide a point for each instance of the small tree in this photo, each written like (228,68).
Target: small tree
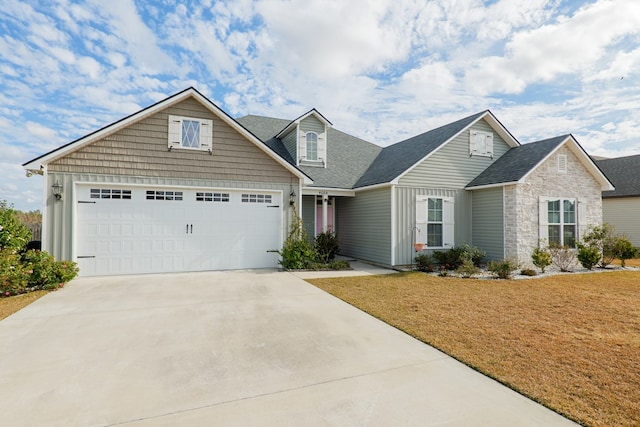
(624,249)
(603,238)
(541,258)
(13,234)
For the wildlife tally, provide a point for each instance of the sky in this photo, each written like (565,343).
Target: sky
(382,70)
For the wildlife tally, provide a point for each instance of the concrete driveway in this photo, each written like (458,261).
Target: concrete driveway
(232,348)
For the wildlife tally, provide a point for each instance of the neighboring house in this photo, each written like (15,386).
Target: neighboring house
(181,186)
(621,207)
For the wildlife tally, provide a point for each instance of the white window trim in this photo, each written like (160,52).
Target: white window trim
(448,222)
(321,150)
(175,134)
(543,219)
(306,136)
(480,143)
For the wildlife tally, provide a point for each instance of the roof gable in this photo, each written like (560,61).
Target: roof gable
(519,162)
(398,159)
(38,162)
(293,123)
(624,173)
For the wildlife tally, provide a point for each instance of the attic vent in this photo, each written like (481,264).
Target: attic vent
(562,163)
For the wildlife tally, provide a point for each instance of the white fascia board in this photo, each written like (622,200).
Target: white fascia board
(316,191)
(296,121)
(500,184)
(376,186)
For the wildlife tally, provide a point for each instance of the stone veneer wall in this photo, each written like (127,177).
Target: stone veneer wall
(522,202)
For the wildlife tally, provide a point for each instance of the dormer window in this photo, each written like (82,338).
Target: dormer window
(312,146)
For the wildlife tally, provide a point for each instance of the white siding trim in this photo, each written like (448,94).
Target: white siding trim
(393,225)
(543,222)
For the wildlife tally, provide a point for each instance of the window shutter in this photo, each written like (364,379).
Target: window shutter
(421,219)
(543,222)
(448,228)
(175,131)
(581,206)
(489,144)
(302,145)
(206,135)
(473,135)
(322,147)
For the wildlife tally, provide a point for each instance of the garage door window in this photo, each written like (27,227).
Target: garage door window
(164,195)
(109,193)
(256,198)
(212,197)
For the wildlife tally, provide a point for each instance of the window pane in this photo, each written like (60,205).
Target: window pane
(554,234)
(434,235)
(434,210)
(553,212)
(569,235)
(569,207)
(191,133)
(312,146)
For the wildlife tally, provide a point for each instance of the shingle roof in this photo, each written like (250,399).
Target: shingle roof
(624,174)
(397,158)
(348,156)
(517,162)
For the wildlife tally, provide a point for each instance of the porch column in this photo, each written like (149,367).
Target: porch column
(325,204)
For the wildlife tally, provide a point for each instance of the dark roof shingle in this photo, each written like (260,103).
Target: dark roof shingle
(624,174)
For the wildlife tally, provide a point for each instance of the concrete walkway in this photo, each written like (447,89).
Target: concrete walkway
(238,348)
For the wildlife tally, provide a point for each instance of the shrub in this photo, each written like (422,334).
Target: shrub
(340,264)
(528,272)
(502,269)
(467,268)
(562,257)
(588,256)
(326,246)
(541,258)
(425,263)
(454,257)
(40,266)
(449,259)
(603,238)
(296,253)
(14,278)
(13,234)
(624,250)
(64,271)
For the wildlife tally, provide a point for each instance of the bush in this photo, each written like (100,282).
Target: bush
(14,278)
(340,264)
(425,263)
(502,269)
(562,256)
(296,253)
(602,238)
(455,257)
(467,268)
(528,272)
(13,234)
(326,246)
(541,258)
(588,256)
(624,250)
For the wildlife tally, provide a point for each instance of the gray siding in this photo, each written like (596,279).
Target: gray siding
(290,142)
(488,222)
(311,124)
(58,228)
(141,150)
(308,216)
(364,230)
(451,166)
(405,219)
(623,213)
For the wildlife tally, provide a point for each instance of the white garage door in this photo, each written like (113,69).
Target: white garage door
(131,230)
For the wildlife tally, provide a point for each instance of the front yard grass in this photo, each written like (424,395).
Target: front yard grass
(570,342)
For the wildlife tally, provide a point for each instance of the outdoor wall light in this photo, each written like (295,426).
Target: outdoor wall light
(292,198)
(56,189)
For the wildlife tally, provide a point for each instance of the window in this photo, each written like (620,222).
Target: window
(212,197)
(164,195)
(434,221)
(110,193)
(312,146)
(480,143)
(559,221)
(256,198)
(190,133)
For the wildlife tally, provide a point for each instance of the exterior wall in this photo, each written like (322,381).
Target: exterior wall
(487,222)
(308,216)
(58,229)
(364,230)
(451,166)
(312,124)
(405,219)
(522,202)
(141,150)
(622,213)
